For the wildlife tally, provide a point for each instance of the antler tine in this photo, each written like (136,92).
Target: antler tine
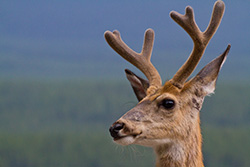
(214,23)
(200,39)
(139,60)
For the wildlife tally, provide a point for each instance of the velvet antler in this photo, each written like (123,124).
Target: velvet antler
(139,60)
(200,39)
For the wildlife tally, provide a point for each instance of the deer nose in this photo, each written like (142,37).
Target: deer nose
(115,128)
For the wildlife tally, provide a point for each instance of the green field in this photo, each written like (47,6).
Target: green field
(65,123)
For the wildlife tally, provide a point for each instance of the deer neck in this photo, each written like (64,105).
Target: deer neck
(181,153)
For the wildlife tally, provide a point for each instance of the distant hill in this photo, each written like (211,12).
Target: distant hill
(65,38)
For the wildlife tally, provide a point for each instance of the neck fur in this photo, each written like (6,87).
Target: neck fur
(183,153)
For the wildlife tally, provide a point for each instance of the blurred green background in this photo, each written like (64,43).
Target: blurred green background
(62,86)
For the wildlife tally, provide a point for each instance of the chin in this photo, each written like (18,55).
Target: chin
(126,140)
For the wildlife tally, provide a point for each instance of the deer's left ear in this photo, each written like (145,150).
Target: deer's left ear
(138,84)
(205,80)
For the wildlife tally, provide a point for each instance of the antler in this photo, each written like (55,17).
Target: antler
(139,60)
(200,39)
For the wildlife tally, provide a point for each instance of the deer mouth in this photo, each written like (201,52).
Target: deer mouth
(122,134)
(126,140)
(121,137)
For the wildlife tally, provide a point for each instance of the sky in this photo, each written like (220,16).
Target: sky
(65,38)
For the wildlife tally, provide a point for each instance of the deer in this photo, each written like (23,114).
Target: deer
(167,117)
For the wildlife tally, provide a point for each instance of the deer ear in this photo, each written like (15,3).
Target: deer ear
(138,84)
(205,80)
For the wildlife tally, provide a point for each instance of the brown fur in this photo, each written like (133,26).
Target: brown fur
(167,117)
(174,133)
(180,127)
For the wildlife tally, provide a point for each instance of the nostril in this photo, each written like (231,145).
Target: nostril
(114,129)
(118,126)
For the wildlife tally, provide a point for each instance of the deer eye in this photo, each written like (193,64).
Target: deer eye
(168,104)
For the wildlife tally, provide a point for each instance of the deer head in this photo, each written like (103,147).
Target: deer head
(167,116)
